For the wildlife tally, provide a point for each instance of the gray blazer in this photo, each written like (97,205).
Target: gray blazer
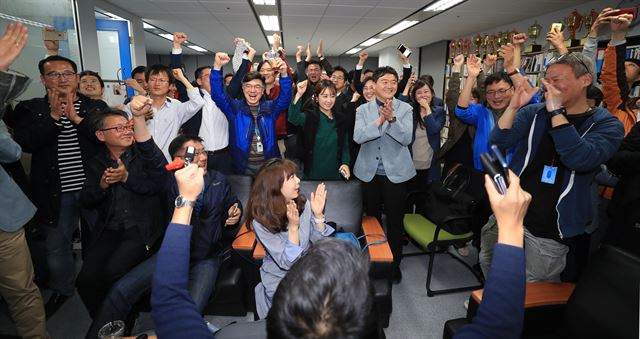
(15,208)
(388,141)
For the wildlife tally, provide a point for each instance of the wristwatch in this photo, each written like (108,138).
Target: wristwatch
(560,110)
(181,202)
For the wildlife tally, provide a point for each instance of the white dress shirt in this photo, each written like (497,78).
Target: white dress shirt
(166,121)
(214,129)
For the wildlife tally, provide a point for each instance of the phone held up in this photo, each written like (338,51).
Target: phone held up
(497,168)
(404,50)
(53,35)
(185,161)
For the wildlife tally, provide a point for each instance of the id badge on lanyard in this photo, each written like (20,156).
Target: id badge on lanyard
(259,146)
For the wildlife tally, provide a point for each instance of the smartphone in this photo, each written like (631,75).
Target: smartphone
(556,26)
(343,174)
(189,155)
(272,54)
(496,167)
(404,50)
(621,11)
(53,35)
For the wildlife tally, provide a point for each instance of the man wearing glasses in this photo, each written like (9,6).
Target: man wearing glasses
(56,130)
(562,142)
(123,184)
(252,136)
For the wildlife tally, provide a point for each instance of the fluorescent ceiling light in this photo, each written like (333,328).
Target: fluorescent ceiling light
(370,42)
(270,22)
(147,26)
(167,36)
(354,50)
(442,5)
(264,2)
(401,26)
(197,48)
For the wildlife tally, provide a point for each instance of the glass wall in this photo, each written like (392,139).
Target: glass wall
(37,14)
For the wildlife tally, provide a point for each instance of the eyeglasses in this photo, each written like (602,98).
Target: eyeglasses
(337,78)
(500,92)
(119,129)
(198,153)
(256,87)
(55,75)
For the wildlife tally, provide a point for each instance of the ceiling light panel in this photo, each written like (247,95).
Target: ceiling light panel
(370,42)
(167,36)
(265,2)
(442,5)
(197,48)
(270,22)
(354,50)
(401,26)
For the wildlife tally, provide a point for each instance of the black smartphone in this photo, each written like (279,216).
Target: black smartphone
(189,155)
(404,50)
(496,167)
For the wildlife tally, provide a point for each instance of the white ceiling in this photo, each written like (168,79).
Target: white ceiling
(341,24)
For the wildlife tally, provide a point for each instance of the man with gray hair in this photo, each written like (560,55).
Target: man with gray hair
(562,144)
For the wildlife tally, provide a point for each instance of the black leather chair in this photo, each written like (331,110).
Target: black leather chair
(604,303)
(231,295)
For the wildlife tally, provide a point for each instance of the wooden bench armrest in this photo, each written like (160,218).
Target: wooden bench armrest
(377,252)
(245,239)
(540,294)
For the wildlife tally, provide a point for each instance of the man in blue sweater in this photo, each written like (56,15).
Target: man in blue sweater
(562,144)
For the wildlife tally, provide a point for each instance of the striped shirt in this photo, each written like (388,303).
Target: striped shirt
(69,156)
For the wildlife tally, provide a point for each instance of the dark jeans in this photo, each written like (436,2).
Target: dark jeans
(132,287)
(111,257)
(381,192)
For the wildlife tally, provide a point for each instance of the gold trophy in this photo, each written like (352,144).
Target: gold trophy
(493,42)
(452,49)
(588,21)
(574,23)
(477,41)
(533,32)
(499,41)
(485,44)
(458,46)
(466,46)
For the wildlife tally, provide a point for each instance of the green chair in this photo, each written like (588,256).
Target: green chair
(435,239)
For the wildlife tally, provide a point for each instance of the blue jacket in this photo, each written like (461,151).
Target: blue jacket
(209,215)
(172,308)
(241,122)
(435,122)
(501,313)
(388,141)
(581,151)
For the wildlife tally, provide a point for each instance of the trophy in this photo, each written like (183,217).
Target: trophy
(477,41)
(452,49)
(466,46)
(588,21)
(459,46)
(506,37)
(499,41)
(493,42)
(533,32)
(485,44)
(574,23)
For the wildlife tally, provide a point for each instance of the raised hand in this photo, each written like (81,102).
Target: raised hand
(178,39)
(556,39)
(386,111)
(509,209)
(293,217)
(132,83)
(220,60)
(319,49)
(362,57)
(356,97)
(299,53)
(318,200)
(620,23)
(301,88)
(458,61)
(552,96)
(473,66)
(277,41)
(519,39)
(12,43)
(190,181)
(251,52)
(507,52)
(140,105)
(404,58)
(308,52)
(602,19)
(177,73)
(281,66)
(345,169)
(489,62)
(52,46)
(522,96)
(55,102)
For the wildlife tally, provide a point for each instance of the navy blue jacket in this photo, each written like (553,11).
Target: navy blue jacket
(581,151)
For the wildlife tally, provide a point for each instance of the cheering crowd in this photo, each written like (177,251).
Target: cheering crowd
(572,147)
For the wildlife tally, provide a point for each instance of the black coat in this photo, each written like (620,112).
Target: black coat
(311,124)
(37,133)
